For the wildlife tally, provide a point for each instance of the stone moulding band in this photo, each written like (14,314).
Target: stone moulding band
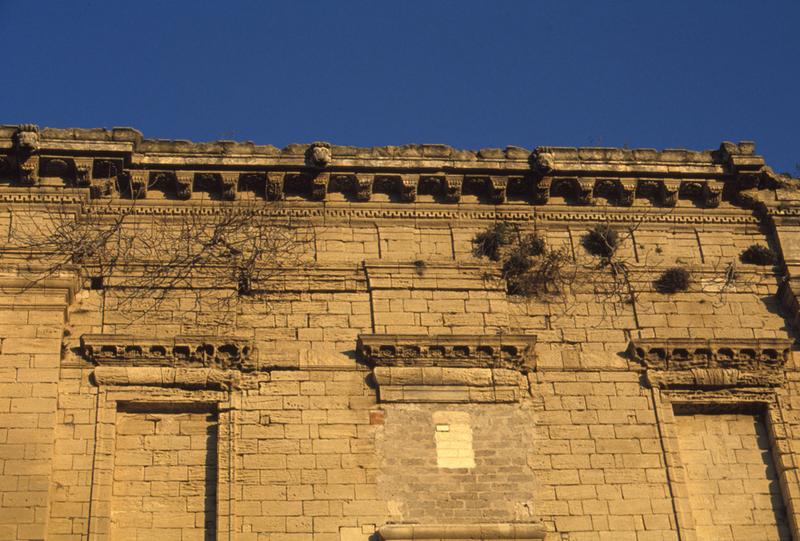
(157,376)
(121,350)
(514,352)
(409,532)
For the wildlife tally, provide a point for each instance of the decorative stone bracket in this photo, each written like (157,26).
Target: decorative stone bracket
(452,368)
(184,351)
(434,532)
(698,363)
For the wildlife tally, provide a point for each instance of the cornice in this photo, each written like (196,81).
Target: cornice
(336,211)
(699,363)
(120,162)
(184,351)
(508,351)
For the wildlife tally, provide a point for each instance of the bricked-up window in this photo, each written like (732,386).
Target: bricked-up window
(453,440)
(730,474)
(165,473)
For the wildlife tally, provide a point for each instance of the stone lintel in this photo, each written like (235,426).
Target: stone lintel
(157,376)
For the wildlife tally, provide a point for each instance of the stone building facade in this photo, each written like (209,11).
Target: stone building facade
(392,385)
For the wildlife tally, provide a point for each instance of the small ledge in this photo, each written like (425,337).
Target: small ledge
(409,532)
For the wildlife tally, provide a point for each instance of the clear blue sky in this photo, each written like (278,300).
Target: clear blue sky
(375,72)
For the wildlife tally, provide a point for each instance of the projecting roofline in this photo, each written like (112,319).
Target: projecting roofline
(122,162)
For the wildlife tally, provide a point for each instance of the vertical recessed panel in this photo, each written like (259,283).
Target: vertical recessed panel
(733,486)
(165,475)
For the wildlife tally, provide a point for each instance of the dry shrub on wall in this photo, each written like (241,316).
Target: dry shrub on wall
(529,267)
(601,240)
(221,250)
(673,280)
(489,243)
(758,254)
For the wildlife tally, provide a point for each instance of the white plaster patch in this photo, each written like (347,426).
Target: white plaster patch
(453,440)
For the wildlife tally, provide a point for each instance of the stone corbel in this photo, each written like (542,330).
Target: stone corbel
(103,187)
(521,531)
(668,191)
(319,186)
(26,144)
(408,187)
(626,191)
(584,190)
(363,186)
(541,190)
(497,189)
(451,188)
(275,182)
(83,171)
(184,184)
(712,193)
(139,180)
(229,185)
(28,170)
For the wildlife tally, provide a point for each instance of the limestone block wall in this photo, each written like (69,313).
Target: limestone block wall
(389,386)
